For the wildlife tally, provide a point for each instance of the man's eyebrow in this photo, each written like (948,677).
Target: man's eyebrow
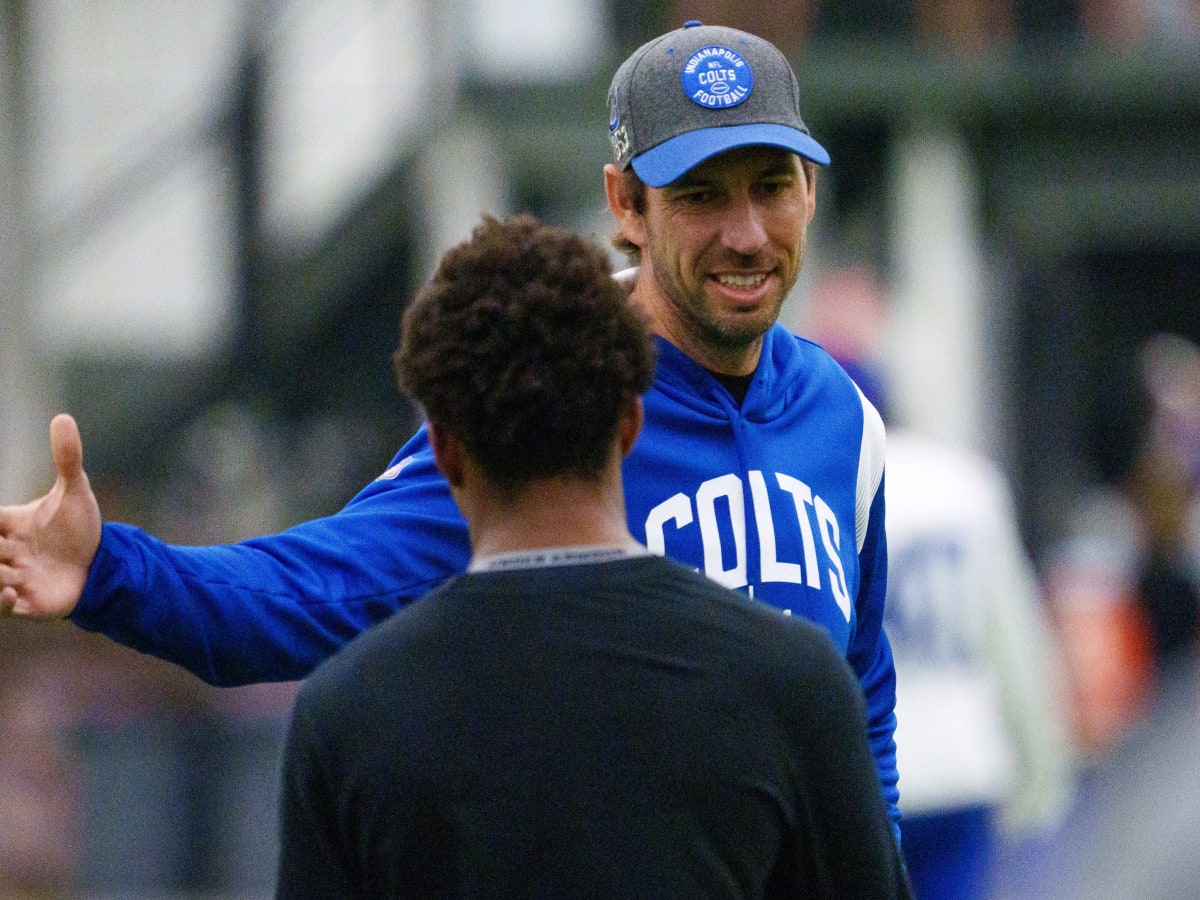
(779,167)
(687,180)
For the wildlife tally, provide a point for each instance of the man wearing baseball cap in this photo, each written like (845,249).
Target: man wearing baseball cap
(769,476)
(760,463)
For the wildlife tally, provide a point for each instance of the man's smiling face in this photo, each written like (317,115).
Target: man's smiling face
(724,244)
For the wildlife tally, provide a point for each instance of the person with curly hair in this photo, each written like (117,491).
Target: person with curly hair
(573,716)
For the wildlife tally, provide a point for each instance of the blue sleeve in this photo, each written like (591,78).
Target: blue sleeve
(870,655)
(271,608)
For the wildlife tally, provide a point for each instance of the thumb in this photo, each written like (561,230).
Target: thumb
(67,448)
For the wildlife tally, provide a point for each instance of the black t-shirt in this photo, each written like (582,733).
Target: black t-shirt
(617,729)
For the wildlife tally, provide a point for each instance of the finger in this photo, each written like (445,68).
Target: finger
(8,600)
(66,447)
(12,521)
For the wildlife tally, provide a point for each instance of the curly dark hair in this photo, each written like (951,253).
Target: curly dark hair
(524,347)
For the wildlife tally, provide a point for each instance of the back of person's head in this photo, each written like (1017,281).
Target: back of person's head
(524,347)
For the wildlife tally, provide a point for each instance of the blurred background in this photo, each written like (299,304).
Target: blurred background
(212,213)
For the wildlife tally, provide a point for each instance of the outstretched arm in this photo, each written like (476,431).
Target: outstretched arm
(270,608)
(47,546)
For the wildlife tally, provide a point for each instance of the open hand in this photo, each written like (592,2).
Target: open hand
(47,546)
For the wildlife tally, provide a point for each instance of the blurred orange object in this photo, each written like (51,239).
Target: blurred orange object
(1108,648)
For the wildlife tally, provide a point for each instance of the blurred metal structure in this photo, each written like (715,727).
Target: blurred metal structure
(26,395)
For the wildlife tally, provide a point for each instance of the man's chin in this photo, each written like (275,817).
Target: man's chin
(741,332)
(748,325)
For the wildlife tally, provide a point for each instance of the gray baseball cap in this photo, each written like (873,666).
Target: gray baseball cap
(698,91)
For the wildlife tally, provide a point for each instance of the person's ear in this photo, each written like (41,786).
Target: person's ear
(810,172)
(630,425)
(630,222)
(447,453)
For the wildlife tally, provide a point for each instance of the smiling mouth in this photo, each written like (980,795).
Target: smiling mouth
(741,281)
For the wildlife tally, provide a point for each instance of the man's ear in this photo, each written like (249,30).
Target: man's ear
(810,173)
(630,425)
(629,221)
(447,453)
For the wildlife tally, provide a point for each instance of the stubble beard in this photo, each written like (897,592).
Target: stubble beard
(730,333)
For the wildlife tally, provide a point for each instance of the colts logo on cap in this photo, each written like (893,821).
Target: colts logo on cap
(717,77)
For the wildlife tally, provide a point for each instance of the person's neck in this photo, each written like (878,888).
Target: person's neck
(549,513)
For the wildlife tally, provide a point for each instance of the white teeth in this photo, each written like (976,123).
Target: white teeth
(741,281)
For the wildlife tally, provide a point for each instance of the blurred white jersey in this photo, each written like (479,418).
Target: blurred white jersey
(980,708)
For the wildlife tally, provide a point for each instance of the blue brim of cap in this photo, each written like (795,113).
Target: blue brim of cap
(661,165)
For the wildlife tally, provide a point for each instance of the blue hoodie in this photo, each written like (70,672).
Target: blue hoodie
(781,498)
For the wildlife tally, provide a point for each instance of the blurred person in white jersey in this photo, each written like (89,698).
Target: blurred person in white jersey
(982,735)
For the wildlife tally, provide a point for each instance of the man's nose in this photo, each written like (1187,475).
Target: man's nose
(744,230)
